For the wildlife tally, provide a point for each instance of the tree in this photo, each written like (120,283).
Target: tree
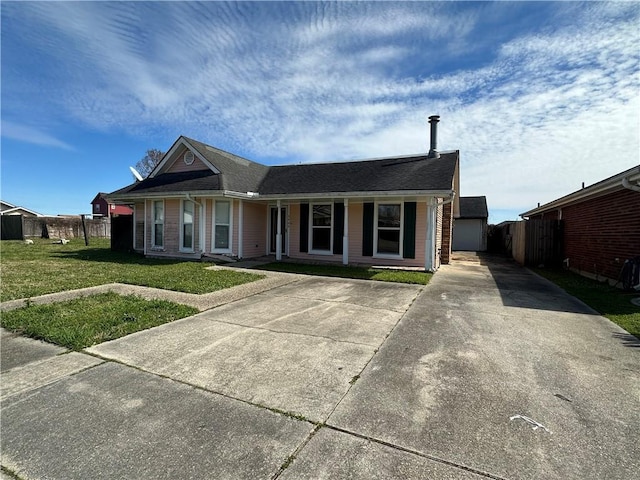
(147,163)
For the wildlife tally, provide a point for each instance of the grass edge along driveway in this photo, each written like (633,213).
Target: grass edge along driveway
(609,301)
(93,319)
(46,267)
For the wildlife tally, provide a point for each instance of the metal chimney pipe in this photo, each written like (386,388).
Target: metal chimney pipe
(433,153)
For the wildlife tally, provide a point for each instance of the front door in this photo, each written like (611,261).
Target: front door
(273,228)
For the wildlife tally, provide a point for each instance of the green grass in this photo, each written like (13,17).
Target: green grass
(379,274)
(44,267)
(86,321)
(608,301)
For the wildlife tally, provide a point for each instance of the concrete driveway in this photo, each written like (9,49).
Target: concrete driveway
(333,378)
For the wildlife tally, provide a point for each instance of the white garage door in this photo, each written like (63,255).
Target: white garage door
(467,235)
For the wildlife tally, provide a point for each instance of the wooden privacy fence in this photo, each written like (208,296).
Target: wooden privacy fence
(65,227)
(543,242)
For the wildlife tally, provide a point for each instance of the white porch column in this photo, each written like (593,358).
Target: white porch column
(279,233)
(240,228)
(345,236)
(202,239)
(430,242)
(144,229)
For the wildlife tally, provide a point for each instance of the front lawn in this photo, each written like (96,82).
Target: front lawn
(86,321)
(366,273)
(608,301)
(45,267)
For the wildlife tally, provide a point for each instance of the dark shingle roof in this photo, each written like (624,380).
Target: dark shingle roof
(391,174)
(473,207)
(198,180)
(415,173)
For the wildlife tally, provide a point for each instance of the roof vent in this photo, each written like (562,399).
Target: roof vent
(433,120)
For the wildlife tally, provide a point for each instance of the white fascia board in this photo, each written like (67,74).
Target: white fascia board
(380,194)
(172,152)
(597,189)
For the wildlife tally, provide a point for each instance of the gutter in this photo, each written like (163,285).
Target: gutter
(627,184)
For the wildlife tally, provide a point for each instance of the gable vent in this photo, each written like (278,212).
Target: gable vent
(188,157)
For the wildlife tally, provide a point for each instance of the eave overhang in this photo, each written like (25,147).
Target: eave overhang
(603,187)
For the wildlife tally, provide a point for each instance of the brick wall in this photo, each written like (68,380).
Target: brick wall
(600,233)
(447,226)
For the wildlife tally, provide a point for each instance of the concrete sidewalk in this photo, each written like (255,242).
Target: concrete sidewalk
(335,378)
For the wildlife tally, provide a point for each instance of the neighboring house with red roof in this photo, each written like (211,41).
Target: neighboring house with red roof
(599,224)
(470,227)
(200,200)
(100,207)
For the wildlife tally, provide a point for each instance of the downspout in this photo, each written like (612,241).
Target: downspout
(201,229)
(430,242)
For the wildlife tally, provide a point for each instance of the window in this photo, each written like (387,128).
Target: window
(158,224)
(222,227)
(187,225)
(388,229)
(321,223)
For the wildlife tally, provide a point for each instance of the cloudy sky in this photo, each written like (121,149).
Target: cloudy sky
(538,97)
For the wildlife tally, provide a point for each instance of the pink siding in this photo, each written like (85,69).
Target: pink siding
(208,224)
(355,239)
(255,229)
(139,227)
(172,214)
(179,166)
(235,215)
(294,232)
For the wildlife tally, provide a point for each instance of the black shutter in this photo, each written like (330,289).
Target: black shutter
(367,230)
(304,227)
(409,233)
(338,227)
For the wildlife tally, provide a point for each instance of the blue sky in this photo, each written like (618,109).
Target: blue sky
(538,97)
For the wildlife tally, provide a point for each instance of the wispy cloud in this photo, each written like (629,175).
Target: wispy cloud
(534,109)
(32,135)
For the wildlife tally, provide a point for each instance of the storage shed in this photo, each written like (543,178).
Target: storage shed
(470,228)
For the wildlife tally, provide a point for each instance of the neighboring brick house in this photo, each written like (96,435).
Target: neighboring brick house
(200,200)
(601,224)
(470,227)
(100,207)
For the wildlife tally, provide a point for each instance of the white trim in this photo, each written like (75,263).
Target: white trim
(144,232)
(318,197)
(134,227)
(430,239)
(285,234)
(375,231)
(240,229)
(172,152)
(202,241)
(310,239)
(10,211)
(345,235)
(181,247)
(213,227)
(330,196)
(600,188)
(279,230)
(153,225)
